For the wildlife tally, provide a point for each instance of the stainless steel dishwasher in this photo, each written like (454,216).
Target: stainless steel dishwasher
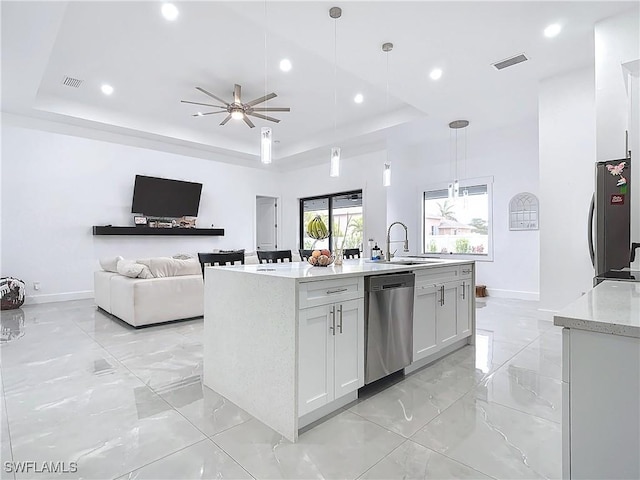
(388,313)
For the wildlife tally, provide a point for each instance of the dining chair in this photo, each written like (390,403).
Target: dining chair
(274,256)
(351,253)
(305,254)
(227,258)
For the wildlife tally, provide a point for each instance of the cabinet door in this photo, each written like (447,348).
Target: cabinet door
(424,321)
(446,321)
(349,347)
(315,347)
(465,302)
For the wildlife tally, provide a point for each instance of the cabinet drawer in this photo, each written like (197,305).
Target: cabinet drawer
(322,292)
(437,275)
(465,271)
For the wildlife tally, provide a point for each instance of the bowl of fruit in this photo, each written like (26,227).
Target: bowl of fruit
(320,258)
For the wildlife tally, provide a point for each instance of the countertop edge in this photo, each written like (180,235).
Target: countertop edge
(596,326)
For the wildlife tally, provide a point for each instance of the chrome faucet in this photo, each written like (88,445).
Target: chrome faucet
(406,239)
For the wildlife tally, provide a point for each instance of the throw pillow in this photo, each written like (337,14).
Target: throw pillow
(145,273)
(129,268)
(171,267)
(110,264)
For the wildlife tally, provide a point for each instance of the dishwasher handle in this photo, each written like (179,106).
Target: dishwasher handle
(394,285)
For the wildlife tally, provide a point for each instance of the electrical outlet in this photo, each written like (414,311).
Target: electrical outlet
(36,285)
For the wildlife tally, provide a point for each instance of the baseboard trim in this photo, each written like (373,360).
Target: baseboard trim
(57,297)
(499,293)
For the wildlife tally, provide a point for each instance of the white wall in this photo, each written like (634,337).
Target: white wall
(55,187)
(567,116)
(617,42)
(361,172)
(510,155)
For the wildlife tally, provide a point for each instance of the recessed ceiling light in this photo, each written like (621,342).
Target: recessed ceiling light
(435,74)
(358,98)
(552,30)
(199,114)
(169,11)
(285,64)
(106,89)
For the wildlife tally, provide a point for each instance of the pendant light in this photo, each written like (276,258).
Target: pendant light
(265,132)
(335,13)
(454,187)
(386,173)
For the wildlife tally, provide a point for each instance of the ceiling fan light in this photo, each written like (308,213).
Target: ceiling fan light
(335,162)
(237,114)
(265,145)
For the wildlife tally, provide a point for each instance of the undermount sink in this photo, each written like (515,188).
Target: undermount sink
(416,262)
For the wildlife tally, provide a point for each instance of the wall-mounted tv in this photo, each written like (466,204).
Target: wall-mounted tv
(163,197)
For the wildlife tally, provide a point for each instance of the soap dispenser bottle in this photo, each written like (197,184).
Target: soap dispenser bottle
(375,253)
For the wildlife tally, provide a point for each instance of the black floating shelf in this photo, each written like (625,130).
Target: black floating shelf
(182,232)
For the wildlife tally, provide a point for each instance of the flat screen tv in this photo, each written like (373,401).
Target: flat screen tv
(163,197)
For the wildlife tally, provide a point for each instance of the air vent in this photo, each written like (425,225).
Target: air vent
(508,62)
(71,82)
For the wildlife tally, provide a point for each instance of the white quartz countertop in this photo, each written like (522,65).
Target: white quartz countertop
(350,268)
(611,307)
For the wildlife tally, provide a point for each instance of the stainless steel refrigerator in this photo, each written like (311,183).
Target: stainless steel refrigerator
(610,216)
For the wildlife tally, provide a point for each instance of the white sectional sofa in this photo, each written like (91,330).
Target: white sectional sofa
(153,290)
(176,293)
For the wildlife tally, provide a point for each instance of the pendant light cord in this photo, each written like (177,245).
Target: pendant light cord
(456,164)
(335,77)
(265,52)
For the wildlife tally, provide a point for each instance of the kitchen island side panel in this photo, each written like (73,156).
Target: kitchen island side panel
(604,397)
(250,340)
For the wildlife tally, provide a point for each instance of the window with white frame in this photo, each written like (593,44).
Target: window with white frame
(458,225)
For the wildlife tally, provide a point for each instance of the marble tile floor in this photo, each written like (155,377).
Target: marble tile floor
(122,403)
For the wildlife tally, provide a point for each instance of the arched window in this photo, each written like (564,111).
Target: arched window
(524,212)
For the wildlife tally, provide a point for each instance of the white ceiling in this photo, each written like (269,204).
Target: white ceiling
(153,64)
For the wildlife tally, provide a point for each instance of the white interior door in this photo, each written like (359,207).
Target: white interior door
(266,223)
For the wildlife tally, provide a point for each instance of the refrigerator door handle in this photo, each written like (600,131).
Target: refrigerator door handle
(592,252)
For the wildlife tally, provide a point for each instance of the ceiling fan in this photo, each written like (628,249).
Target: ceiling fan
(237,109)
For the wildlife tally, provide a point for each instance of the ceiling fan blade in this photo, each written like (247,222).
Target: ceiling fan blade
(207,113)
(271,109)
(271,119)
(260,100)
(211,95)
(236,93)
(226,119)
(247,121)
(205,104)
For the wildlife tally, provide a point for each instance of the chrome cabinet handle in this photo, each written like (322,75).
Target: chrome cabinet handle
(464,290)
(442,295)
(337,290)
(466,271)
(333,321)
(340,324)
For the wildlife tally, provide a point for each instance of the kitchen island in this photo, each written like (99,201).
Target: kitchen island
(286,342)
(601,383)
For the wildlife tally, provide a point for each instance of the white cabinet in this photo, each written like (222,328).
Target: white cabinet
(446,314)
(443,309)
(331,350)
(425,305)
